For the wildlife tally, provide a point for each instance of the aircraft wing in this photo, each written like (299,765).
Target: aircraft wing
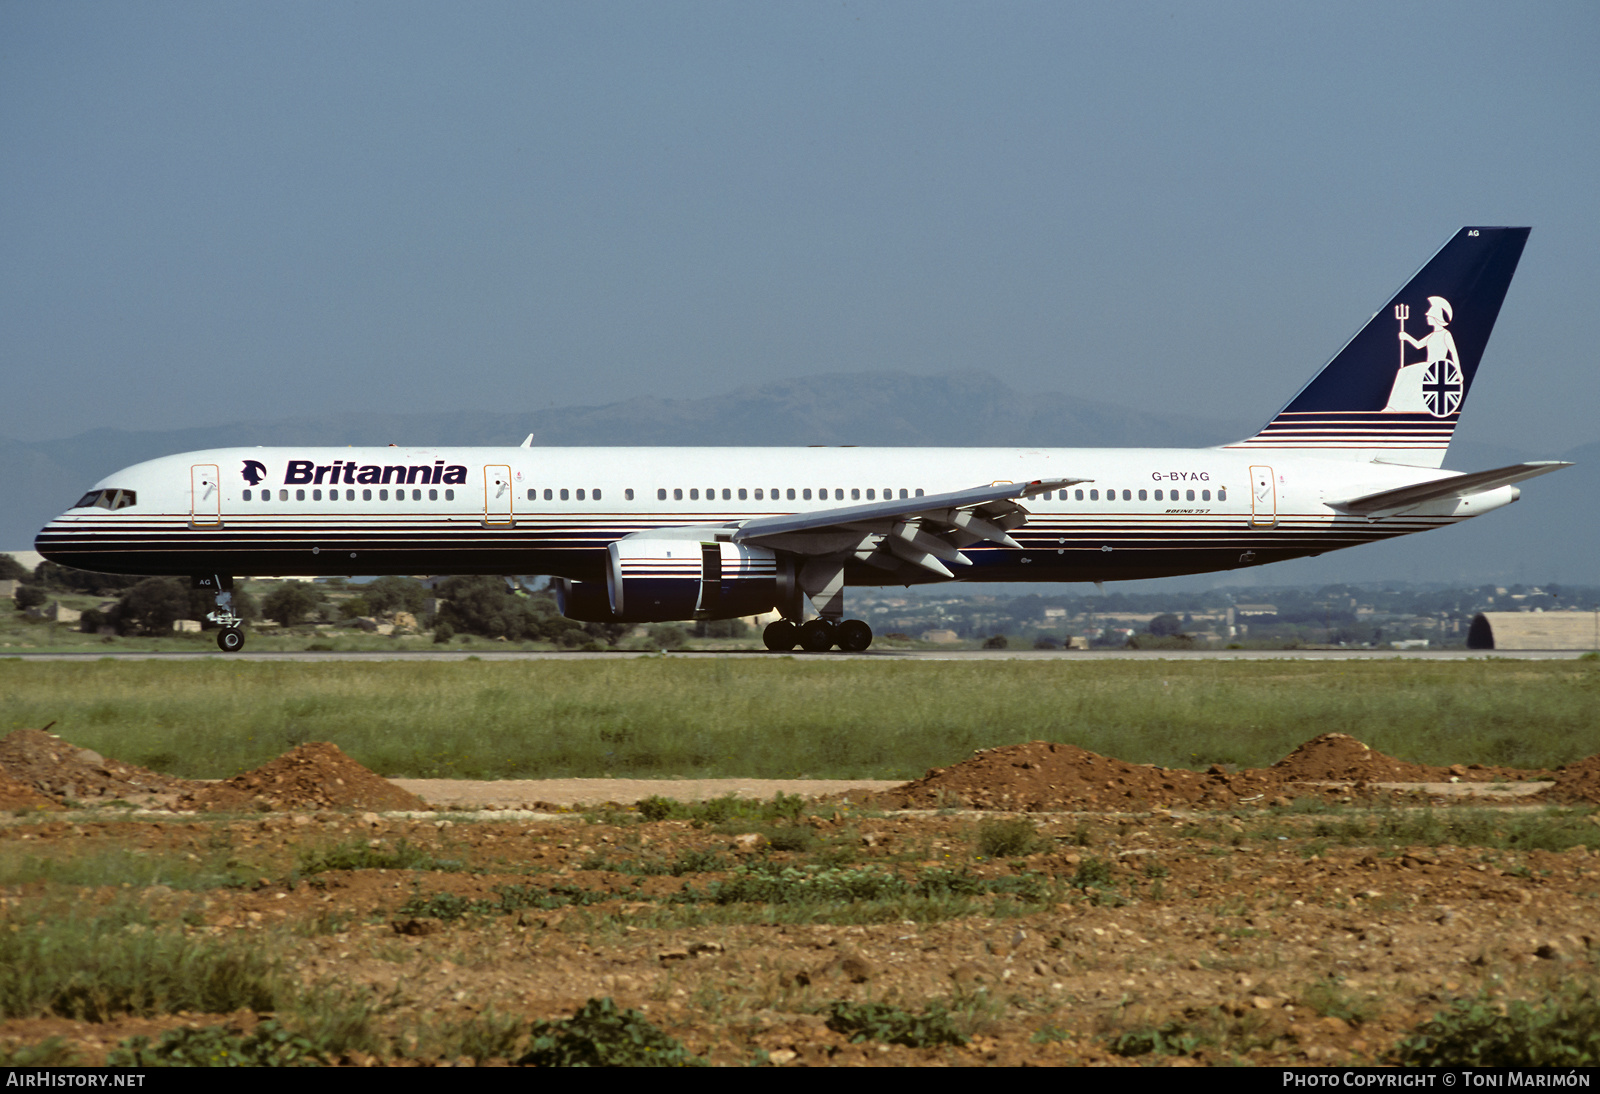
(921,533)
(1453,486)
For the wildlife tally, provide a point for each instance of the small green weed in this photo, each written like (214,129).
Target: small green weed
(52,1052)
(117,963)
(508,899)
(268,1045)
(487,1036)
(1330,999)
(357,855)
(1168,1039)
(1093,873)
(1011,837)
(1564,1032)
(600,1035)
(723,810)
(893,1026)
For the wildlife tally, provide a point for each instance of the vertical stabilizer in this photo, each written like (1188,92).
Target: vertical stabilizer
(1396,390)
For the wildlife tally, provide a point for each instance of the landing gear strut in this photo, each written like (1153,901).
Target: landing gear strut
(230,639)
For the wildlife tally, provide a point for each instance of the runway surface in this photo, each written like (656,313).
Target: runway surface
(885,656)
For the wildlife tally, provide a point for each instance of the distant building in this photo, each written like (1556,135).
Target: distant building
(53,612)
(1534,631)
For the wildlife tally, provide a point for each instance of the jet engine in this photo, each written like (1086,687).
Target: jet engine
(662,579)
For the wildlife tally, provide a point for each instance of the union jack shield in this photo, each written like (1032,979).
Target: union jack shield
(1442,388)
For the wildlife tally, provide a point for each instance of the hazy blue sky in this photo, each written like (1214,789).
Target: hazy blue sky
(213,211)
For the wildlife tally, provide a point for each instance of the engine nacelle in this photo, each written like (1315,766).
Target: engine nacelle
(663,580)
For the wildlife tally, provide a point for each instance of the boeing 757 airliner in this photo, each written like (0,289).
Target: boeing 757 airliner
(655,534)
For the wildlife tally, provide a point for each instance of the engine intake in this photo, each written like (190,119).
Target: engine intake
(662,580)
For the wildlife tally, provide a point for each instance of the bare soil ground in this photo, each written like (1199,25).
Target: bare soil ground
(1257,917)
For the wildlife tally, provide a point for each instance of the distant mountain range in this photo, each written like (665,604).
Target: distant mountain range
(1545,537)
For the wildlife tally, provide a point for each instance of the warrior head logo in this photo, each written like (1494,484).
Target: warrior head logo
(1433,385)
(254,471)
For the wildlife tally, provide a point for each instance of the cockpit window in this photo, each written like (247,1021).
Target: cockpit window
(107,499)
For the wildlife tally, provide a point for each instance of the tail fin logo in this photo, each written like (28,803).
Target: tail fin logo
(1433,385)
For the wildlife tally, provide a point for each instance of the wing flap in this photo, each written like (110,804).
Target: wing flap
(930,506)
(923,534)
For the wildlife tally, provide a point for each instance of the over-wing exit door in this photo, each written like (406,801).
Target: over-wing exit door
(497,494)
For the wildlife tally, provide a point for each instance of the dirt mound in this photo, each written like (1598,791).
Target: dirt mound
(1041,777)
(316,775)
(1339,756)
(62,772)
(19,797)
(1576,784)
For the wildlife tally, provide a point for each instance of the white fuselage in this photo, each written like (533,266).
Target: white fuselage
(1141,512)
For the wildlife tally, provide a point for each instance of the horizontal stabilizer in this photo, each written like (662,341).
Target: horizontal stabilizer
(1454,486)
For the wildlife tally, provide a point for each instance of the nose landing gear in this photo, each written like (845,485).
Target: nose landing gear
(230,639)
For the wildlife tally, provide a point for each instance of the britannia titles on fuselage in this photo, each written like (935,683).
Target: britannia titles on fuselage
(308,473)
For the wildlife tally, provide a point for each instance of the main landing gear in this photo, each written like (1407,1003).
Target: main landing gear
(230,639)
(818,635)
